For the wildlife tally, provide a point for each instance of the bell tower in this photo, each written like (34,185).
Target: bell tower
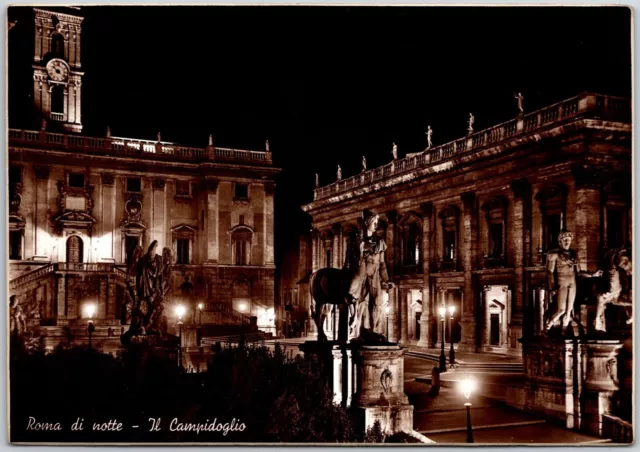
(57,79)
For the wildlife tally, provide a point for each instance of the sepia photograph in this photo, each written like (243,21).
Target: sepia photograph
(319,224)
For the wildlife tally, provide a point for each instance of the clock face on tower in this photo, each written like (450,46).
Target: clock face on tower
(58,70)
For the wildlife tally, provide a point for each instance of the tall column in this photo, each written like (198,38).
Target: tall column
(402,302)
(107,240)
(41,220)
(393,317)
(427,214)
(486,324)
(337,239)
(212,221)
(158,216)
(62,298)
(522,198)
(469,228)
(440,301)
(269,250)
(315,265)
(587,212)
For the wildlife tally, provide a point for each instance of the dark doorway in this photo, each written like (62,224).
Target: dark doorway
(74,249)
(130,244)
(418,314)
(495,329)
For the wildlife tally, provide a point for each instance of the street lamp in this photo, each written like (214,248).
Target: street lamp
(90,310)
(386,312)
(443,359)
(452,352)
(468,385)
(200,308)
(180,313)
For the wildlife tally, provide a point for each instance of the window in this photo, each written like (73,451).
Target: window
(134,184)
(76,180)
(241,245)
(183,188)
(15,245)
(410,231)
(57,46)
(449,225)
(15,174)
(449,246)
(552,201)
(328,256)
(241,191)
(57,99)
(494,243)
(495,240)
(616,211)
(182,251)
(241,219)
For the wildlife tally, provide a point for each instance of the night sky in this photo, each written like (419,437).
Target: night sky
(327,85)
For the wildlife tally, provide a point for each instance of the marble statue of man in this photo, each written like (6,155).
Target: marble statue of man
(108,132)
(520,98)
(472,119)
(369,280)
(364,163)
(339,173)
(159,137)
(429,134)
(267,146)
(563,270)
(317,180)
(394,151)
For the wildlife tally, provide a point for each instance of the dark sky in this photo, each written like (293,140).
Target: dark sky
(327,85)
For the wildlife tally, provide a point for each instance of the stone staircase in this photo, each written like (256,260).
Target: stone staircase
(483,363)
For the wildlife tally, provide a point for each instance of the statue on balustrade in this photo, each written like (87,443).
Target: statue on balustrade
(472,119)
(364,163)
(358,285)
(394,151)
(563,270)
(148,283)
(317,180)
(339,173)
(520,99)
(615,287)
(429,134)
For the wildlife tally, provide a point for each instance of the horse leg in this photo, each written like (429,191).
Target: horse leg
(319,319)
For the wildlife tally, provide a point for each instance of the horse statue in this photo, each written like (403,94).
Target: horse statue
(615,286)
(329,287)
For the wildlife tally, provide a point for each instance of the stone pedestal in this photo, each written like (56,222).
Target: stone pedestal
(338,367)
(379,391)
(568,380)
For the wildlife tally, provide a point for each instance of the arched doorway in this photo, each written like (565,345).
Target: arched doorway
(75,249)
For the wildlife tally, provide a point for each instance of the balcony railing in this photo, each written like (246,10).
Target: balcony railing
(584,105)
(134,147)
(30,277)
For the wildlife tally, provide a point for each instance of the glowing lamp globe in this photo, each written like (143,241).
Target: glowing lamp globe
(442,311)
(467,386)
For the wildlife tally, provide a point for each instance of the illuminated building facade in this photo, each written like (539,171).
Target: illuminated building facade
(468,223)
(80,205)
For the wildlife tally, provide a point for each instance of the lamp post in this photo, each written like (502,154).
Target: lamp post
(90,311)
(180,313)
(200,308)
(386,312)
(443,359)
(467,386)
(452,352)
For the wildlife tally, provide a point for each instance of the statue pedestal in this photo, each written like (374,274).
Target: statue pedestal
(569,380)
(338,367)
(379,391)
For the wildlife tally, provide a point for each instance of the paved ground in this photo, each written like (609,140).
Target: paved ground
(442,418)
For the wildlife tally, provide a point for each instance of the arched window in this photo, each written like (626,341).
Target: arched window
(57,46)
(410,229)
(449,219)
(74,249)
(616,199)
(241,238)
(57,99)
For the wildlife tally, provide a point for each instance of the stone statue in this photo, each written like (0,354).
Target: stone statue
(339,173)
(358,285)
(367,283)
(472,119)
(317,180)
(520,98)
(429,134)
(211,140)
(617,282)
(148,283)
(159,137)
(43,124)
(364,163)
(394,151)
(266,146)
(108,132)
(562,271)
(17,318)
